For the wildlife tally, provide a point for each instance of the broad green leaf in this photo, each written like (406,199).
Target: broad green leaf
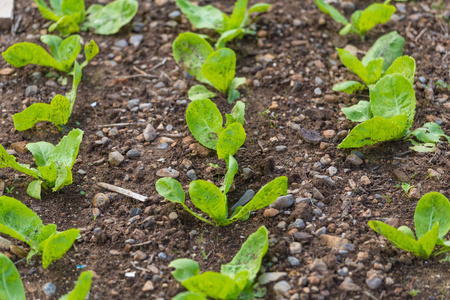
(213,285)
(331,11)
(190,51)
(75,9)
(230,140)
(53,42)
(170,189)
(184,269)
(432,208)
(232,168)
(266,196)
(237,16)
(259,7)
(48,13)
(209,199)
(48,174)
(374,70)
(90,51)
(233,93)
(388,47)
(199,92)
(353,63)
(377,129)
(67,149)
(11,287)
(219,68)
(249,257)
(356,16)
(393,95)
(22,54)
(41,151)
(424,148)
(374,14)
(81,289)
(405,241)
(201,16)
(237,114)
(58,245)
(359,112)
(34,189)
(18,221)
(189,296)
(108,19)
(406,230)
(205,122)
(430,133)
(228,36)
(63,177)
(48,231)
(57,112)
(348,87)
(405,65)
(66,26)
(9,161)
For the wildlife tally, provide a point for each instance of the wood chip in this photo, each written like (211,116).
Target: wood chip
(6,71)
(122,191)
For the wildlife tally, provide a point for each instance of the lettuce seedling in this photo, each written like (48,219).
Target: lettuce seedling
(235,278)
(54,163)
(387,116)
(361,20)
(229,27)
(428,136)
(20,222)
(66,14)
(206,125)
(11,286)
(215,68)
(431,222)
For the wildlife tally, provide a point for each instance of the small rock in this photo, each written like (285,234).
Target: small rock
(168,172)
(162,255)
(270,277)
(365,180)
(180,85)
(354,159)
(133,153)
(115,158)
(348,285)
(362,256)
(132,103)
(199,150)
(247,173)
(281,148)
(318,91)
(100,200)
(374,283)
(333,241)
(135,211)
(283,202)
(163,146)
(282,287)
(271,212)
(298,223)
(414,193)
(176,14)
(302,211)
(394,222)
(367,213)
(319,266)
(121,43)
(389,281)
(136,39)
(295,248)
(148,286)
(310,136)
(301,236)
(49,289)
(139,255)
(323,180)
(173,216)
(401,176)
(20,147)
(191,174)
(332,171)
(293,261)
(31,90)
(150,133)
(329,134)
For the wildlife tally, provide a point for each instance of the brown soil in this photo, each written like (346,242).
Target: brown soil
(284,61)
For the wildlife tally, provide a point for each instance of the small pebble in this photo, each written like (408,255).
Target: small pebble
(49,289)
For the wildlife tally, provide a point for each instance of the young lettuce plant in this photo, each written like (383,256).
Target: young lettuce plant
(229,28)
(235,278)
(20,222)
(431,222)
(215,68)
(388,115)
(376,64)
(428,136)
(66,14)
(11,286)
(54,163)
(361,20)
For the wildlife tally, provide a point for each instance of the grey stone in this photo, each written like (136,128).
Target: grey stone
(115,158)
(113,132)
(143,106)
(324,180)
(244,199)
(320,231)
(317,212)
(282,287)
(191,174)
(310,136)
(180,85)
(295,248)
(173,216)
(354,159)
(51,83)
(133,153)
(49,289)
(343,271)
(163,146)
(247,172)
(160,85)
(298,223)
(318,81)
(169,128)
(176,14)
(121,43)
(162,256)
(138,27)
(293,261)
(270,277)
(135,211)
(283,202)
(300,200)
(280,148)
(81,172)
(318,91)
(31,90)
(319,266)
(348,285)
(332,171)
(136,39)
(150,133)
(374,283)
(182,102)
(132,103)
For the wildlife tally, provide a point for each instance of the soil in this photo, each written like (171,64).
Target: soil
(290,57)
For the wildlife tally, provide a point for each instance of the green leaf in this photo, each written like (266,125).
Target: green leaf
(72,95)
(11,287)
(219,68)
(34,189)
(209,199)
(232,168)
(67,149)
(233,93)
(259,7)
(81,289)
(18,221)
(184,269)
(199,92)
(47,13)
(388,47)
(348,87)
(266,196)
(53,42)
(190,51)
(374,70)
(421,248)
(90,51)
(73,8)
(237,114)
(58,245)
(66,26)
(353,63)
(170,189)
(377,129)
(48,231)
(406,230)
(22,54)
(346,29)
(108,19)
(432,208)
(201,16)
(374,14)
(41,151)
(237,16)
(230,140)
(359,112)
(189,296)
(205,122)
(9,161)
(424,148)
(405,65)
(249,257)
(57,112)
(213,285)
(228,36)
(430,133)
(331,11)
(393,95)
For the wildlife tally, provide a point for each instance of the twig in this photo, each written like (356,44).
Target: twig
(121,124)
(137,75)
(167,76)
(420,34)
(159,65)
(142,244)
(139,268)
(20,260)
(122,191)
(404,153)
(139,70)
(400,158)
